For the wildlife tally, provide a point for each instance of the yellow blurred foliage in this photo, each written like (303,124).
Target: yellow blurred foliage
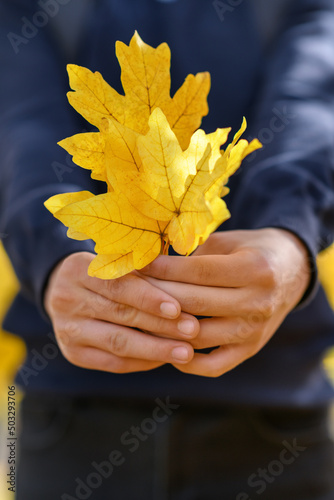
(326,276)
(326,272)
(12,349)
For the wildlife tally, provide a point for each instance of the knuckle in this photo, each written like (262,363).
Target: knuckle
(86,309)
(161,326)
(144,298)
(243,331)
(116,287)
(250,305)
(163,269)
(124,314)
(69,333)
(201,270)
(270,277)
(267,308)
(265,270)
(98,304)
(205,271)
(255,312)
(253,319)
(118,343)
(195,302)
(61,298)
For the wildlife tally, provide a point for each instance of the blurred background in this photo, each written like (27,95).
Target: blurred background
(12,350)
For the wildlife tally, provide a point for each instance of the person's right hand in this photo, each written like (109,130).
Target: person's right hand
(106,324)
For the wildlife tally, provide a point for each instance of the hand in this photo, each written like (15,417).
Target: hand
(246,281)
(106,324)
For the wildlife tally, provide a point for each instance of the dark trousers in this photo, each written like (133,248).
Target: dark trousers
(99,449)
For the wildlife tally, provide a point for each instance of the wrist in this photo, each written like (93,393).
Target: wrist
(305,267)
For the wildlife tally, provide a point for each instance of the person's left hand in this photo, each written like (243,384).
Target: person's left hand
(245,281)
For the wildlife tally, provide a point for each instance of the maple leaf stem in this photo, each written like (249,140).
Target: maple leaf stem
(164,247)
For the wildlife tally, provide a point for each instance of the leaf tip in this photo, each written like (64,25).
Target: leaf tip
(257,144)
(136,38)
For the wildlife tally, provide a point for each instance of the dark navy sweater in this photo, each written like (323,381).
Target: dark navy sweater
(274,65)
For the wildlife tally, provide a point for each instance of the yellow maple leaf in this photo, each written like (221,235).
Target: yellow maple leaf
(185,187)
(176,180)
(117,228)
(146,81)
(87,151)
(122,163)
(164,180)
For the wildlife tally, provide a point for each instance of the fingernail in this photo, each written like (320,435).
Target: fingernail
(180,354)
(186,326)
(169,309)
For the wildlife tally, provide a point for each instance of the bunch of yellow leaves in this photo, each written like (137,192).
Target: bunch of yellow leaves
(164,180)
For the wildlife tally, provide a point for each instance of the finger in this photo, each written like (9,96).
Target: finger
(221,331)
(126,342)
(134,291)
(96,306)
(96,359)
(210,301)
(234,270)
(216,363)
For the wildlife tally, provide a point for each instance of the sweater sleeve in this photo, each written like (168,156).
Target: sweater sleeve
(289,184)
(34,116)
